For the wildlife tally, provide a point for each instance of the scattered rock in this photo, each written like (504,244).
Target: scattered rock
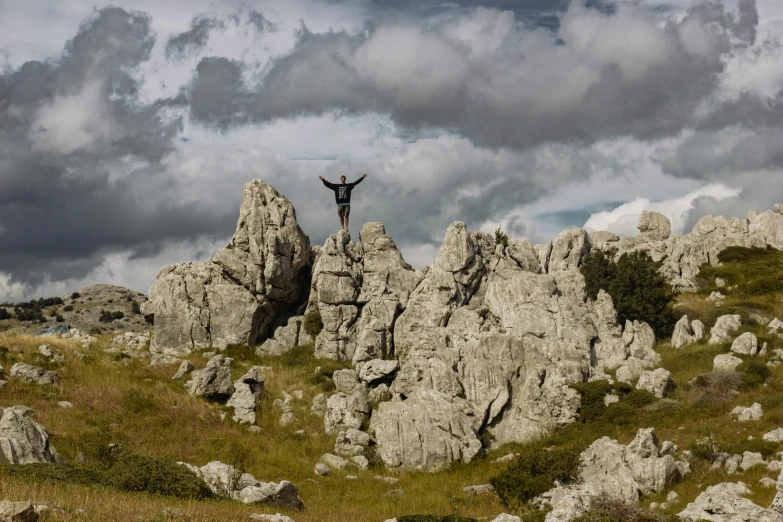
(750,459)
(162,359)
(184,369)
(687,332)
(318,407)
(17,511)
(753,413)
(745,344)
(227,481)
(333,461)
(716,296)
(767,482)
(346,411)
(271,518)
(387,480)
(724,328)
(472,491)
(361,462)
(506,458)
(345,381)
(130,342)
(22,440)
(34,374)
(658,382)
(774,435)
(725,363)
(65,404)
(322,469)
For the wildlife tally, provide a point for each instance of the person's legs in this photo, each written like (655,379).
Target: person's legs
(346,212)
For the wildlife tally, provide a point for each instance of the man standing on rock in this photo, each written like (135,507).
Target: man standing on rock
(342,194)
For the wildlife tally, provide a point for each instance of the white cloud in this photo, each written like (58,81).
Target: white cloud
(623,219)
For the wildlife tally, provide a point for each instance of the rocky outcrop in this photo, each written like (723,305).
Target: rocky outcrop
(621,472)
(724,328)
(285,338)
(359,290)
(682,255)
(726,502)
(22,440)
(244,290)
(228,482)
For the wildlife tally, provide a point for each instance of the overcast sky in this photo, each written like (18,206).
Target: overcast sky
(128,128)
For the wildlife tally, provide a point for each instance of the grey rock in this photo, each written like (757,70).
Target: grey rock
(724,328)
(346,411)
(322,469)
(248,391)
(318,407)
(185,368)
(726,503)
(568,249)
(380,393)
(361,462)
(472,491)
(750,459)
(271,518)
(213,381)
(286,338)
(686,332)
(333,461)
(774,435)
(237,296)
(505,517)
(34,375)
(376,369)
(654,226)
(603,236)
(130,342)
(752,413)
(345,380)
(426,432)
(65,404)
(658,382)
(24,441)
(229,482)
(725,363)
(745,344)
(387,480)
(17,511)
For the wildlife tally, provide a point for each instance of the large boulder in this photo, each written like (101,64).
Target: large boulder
(214,381)
(726,502)
(229,482)
(22,440)
(654,226)
(244,290)
(427,431)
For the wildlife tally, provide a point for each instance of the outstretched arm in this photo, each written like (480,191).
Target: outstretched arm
(359,180)
(328,185)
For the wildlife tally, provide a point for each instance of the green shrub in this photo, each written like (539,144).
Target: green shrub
(608,509)
(749,272)
(706,449)
(312,323)
(534,472)
(592,406)
(754,373)
(714,388)
(639,398)
(68,308)
(766,448)
(501,238)
(66,473)
(637,288)
(107,317)
(157,476)
(619,413)
(75,295)
(59,318)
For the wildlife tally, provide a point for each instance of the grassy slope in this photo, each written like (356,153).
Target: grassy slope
(166,421)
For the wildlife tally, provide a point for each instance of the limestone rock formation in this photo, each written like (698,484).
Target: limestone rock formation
(725,502)
(724,328)
(214,381)
(22,440)
(346,411)
(725,363)
(658,382)
(285,338)
(228,482)
(359,289)
(244,290)
(745,344)
(621,472)
(654,226)
(687,332)
(17,511)
(248,391)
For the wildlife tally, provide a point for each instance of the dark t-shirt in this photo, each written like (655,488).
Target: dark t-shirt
(342,191)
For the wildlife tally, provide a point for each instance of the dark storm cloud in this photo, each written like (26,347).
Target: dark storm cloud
(259,22)
(183,45)
(81,158)
(599,76)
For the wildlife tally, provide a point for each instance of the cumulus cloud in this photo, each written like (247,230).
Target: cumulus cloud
(623,219)
(495,81)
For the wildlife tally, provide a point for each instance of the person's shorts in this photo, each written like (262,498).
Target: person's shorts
(344,211)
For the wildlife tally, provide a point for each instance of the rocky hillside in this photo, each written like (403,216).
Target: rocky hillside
(338,375)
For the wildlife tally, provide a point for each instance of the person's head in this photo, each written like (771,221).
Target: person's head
(342,179)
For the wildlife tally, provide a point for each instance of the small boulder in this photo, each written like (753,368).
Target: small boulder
(17,511)
(271,518)
(472,491)
(318,407)
(333,461)
(724,328)
(345,380)
(214,381)
(774,435)
(22,440)
(376,370)
(753,413)
(184,369)
(750,459)
(322,469)
(248,391)
(658,382)
(725,363)
(745,344)
(34,375)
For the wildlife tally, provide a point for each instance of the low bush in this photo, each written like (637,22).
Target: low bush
(312,323)
(754,373)
(59,318)
(639,398)
(637,288)
(4,314)
(714,388)
(68,308)
(534,472)
(501,238)
(592,405)
(66,473)
(136,308)
(619,413)
(75,295)
(157,476)
(593,409)
(608,509)
(107,317)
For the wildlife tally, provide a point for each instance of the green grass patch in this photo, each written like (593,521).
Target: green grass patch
(749,273)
